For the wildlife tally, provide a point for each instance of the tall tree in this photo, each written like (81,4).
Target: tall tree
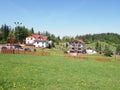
(21,33)
(32,30)
(98,47)
(10,35)
(5,32)
(107,51)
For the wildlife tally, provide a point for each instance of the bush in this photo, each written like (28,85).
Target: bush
(108,53)
(65,52)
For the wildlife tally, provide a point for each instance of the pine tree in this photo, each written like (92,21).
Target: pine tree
(32,30)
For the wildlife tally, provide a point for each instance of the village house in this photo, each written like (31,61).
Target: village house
(38,40)
(77,46)
(90,50)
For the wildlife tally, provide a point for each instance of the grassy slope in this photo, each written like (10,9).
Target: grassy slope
(103,46)
(19,72)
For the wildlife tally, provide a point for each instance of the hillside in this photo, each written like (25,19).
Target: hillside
(110,38)
(103,44)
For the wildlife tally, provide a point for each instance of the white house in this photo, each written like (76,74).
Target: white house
(90,51)
(41,43)
(30,40)
(37,40)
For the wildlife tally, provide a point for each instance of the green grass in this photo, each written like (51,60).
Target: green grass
(29,72)
(113,48)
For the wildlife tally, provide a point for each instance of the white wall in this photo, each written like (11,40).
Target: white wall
(30,40)
(41,44)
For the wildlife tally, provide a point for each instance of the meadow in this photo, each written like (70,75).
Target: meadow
(55,72)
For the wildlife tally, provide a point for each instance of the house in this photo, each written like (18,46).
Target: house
(77,46)
(37,40)
(90,50)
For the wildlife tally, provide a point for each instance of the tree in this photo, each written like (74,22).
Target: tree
(98,47)
(107,51)
(39,32)
(67,39)
(21,33)
(32,30)
(9,36)
(5,32)
(118,49)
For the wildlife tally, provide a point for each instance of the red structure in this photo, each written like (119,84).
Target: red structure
(11,42)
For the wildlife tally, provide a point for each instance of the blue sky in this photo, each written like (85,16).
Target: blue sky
(63,17)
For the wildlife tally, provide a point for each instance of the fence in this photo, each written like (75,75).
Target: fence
(96,58)
(81,57)
(78,57)
(9,51)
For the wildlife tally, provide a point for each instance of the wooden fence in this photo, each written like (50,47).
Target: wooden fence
(77,57)
(9,51)
(83,57)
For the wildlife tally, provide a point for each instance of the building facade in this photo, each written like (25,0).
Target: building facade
(77,46)
(37,40)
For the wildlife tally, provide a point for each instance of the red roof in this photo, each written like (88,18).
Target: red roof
(44,38)
(81,41)
(37,37)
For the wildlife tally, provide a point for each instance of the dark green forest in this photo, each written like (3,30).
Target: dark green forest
(110,38)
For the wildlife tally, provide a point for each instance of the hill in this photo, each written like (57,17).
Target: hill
(110,38)
(103,44)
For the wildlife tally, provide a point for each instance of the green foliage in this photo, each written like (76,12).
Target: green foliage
(32,30)
(108,52)
(65,52)
(67,39)
(98,47)
(53,44)
(118,49)
(110,38)
(4,32)
(21,33)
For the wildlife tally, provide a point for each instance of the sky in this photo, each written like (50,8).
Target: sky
(63,17)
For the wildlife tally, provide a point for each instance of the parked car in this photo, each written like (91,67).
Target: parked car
(17,46)
(27,49)
(21,49)
(4,48)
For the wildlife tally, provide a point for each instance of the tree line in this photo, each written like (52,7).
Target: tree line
(21,32)
(110,38)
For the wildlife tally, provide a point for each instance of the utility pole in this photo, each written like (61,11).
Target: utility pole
(18,26)
(18,33)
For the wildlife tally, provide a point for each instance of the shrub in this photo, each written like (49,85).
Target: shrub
(108,52)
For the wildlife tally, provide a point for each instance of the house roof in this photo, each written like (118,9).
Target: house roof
(44,38)
(37,37)
(81,41)
(29,37)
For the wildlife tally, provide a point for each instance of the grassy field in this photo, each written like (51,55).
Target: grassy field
(30,72)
